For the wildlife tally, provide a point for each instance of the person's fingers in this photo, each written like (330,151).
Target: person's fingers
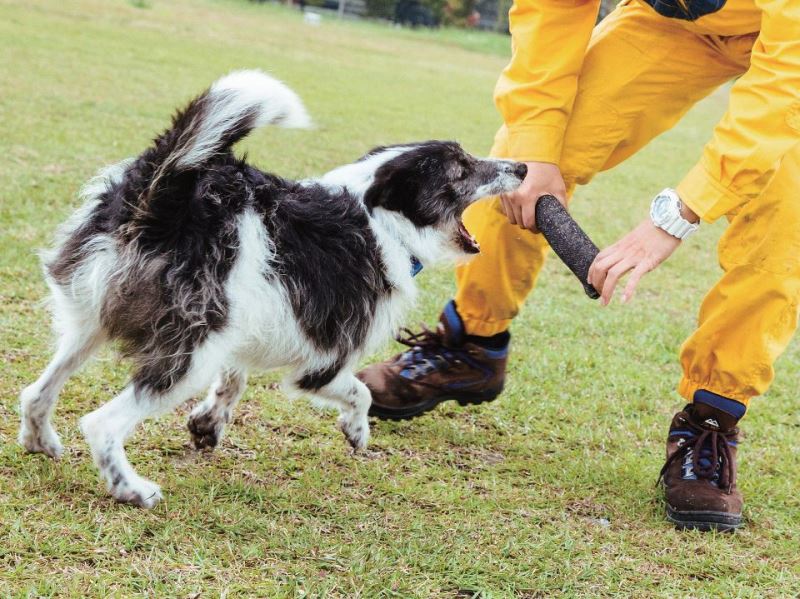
(595,274)
(613,277)
(529,217)
(509,209)
(592,268)
(636,276)
(512,216)
(518,214)
(605,252)
(503,205)
(599,269)
(520,210)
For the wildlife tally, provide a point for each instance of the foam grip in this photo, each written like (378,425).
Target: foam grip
(567,239)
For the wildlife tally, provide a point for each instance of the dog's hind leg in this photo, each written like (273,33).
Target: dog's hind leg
(107,428)
(353,399)
(37,401)
(208,418)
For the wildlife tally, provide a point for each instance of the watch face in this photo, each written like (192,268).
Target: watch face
(663,209)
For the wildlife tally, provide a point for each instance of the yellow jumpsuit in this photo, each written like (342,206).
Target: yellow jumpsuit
(586,98)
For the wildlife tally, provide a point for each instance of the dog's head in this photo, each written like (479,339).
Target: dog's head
(429,185)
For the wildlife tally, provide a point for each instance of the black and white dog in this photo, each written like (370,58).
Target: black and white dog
(203,267)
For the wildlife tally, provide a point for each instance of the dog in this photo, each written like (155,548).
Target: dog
(202,267)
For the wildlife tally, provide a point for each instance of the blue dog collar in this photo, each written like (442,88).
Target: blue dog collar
(416,266)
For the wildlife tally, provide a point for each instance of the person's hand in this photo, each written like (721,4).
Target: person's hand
(639,251)
(520,205)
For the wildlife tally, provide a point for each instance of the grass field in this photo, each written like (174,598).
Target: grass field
(508,499)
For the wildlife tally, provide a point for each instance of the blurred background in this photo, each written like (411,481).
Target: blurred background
(490,15)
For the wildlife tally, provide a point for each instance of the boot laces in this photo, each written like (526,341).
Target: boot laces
(427,352)
(715,447)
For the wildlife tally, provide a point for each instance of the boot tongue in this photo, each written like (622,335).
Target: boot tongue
(451,326)
(711,418)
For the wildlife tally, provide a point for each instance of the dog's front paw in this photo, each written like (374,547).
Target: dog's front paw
(356,431)
(137,491)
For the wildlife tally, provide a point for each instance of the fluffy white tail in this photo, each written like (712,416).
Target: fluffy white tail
(230,109)
(207,128)
(233,106)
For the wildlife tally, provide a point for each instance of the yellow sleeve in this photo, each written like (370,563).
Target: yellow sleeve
(536,90)
(762,123)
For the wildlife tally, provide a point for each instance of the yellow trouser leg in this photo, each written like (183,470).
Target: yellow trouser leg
(749,317)
(641,73)
(492,287)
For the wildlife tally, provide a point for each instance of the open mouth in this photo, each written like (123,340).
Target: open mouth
(466,241)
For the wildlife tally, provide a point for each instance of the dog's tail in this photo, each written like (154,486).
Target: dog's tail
(224,114)
(229,110)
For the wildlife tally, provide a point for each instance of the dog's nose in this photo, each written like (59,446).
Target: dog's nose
(521,169)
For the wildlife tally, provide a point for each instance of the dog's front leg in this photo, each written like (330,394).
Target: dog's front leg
(353,399)
(105,430)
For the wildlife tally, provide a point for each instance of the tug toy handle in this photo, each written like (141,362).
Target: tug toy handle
(567,239)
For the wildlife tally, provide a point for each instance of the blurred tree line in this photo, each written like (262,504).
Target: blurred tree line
(483,14)
(480,14)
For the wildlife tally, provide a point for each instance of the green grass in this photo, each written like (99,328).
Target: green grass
(503,499)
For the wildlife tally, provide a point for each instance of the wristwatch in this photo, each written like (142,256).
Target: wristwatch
(665,212)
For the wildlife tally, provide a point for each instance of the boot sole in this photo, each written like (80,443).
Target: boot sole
(705,521)
(420,409)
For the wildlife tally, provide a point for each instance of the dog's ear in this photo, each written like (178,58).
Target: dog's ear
(393,189)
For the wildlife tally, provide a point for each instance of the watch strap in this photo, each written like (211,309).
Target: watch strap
(679,227)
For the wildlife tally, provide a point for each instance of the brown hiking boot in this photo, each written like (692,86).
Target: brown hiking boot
(440,365)
(699,476)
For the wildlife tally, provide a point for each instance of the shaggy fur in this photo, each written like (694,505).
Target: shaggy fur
(203,267)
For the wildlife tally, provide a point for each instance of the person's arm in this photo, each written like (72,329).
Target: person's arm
(761,126)
(762,123)
(536,91)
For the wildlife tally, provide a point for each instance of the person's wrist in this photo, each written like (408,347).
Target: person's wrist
(689,214)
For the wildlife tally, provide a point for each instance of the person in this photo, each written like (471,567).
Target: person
(578,99)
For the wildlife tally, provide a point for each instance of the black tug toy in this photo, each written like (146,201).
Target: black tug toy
(567,239)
